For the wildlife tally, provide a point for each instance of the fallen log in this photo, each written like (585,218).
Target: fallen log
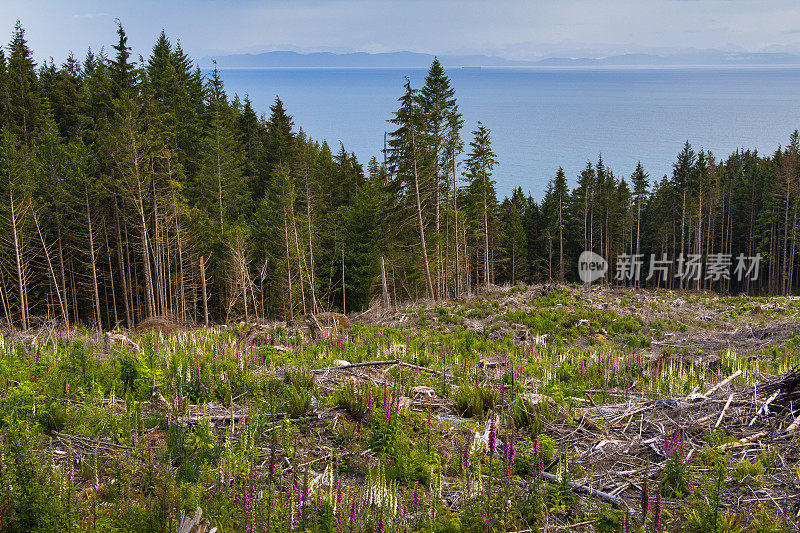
(118,338)
(355,365)
(744,441)
(84,442)
(722,383)
(794,425)
(724,410)
(583,489)
(377,363)
(195,524)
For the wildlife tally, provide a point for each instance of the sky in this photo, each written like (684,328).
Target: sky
(512,29)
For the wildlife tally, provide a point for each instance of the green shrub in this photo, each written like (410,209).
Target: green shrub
(474,401)
(20,403)
(767,458)
(298,401)
(767,522)
(180,453)
(53,417)
(301,379)
(204,442)
(705,512)
(547,449)
(354,398)
(29,492)
(750,473)
(675,478)
(530,415)
(531,459)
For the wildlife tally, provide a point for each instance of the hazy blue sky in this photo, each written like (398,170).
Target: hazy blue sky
(514,29)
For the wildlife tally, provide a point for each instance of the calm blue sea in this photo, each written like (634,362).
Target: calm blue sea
(545,118)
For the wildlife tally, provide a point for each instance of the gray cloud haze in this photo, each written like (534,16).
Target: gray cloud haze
(512,29)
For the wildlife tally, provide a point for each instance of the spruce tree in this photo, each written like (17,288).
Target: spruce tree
(639,178)
(22,87)
(438,125)
(514,263)
(480,163)
(403,160)
(121,68)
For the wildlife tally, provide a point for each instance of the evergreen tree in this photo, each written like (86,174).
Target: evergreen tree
(439,125)
(404,165)
(514,265)
(639,178)
(480,162)
(222,180)
(555,210)
(122,69)
(22,87)
(278,140)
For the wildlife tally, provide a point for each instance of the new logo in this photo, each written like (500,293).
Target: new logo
(591,266)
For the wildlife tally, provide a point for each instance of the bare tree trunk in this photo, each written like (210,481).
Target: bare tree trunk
(561,242)
(586,229)
(638,226)
(4,300)
(160,304)
(179,234)
(18,257)
(61,267)
(300,259)
(438,224)
(700,231)
(428,284)
(122,267)
(204,294)
(485,233)
(513,263)
(111,278)
(311,269)
(455,215)
(344,299)
(240,259)
(139,201)
(384,287)
(72,286)
(91,255)
(290,314)
(792,255)
(467,276)
(61,303)
(148,276)
(683,224)
(785,276)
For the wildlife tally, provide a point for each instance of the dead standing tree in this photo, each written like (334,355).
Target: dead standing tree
(15,217)
(428,284)
(130,155)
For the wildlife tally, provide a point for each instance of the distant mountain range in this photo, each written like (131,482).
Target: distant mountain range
(280,59)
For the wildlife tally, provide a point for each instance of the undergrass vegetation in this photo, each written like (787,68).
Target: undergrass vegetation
(460,437)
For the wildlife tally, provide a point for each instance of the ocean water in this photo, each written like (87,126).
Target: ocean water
(543,119)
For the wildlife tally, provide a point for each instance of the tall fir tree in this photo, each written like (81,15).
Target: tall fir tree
(479,165)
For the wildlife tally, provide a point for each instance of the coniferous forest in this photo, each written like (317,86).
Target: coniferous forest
(170,360)
(134,188)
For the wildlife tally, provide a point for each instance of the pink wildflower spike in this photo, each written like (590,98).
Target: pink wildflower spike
(657,513)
